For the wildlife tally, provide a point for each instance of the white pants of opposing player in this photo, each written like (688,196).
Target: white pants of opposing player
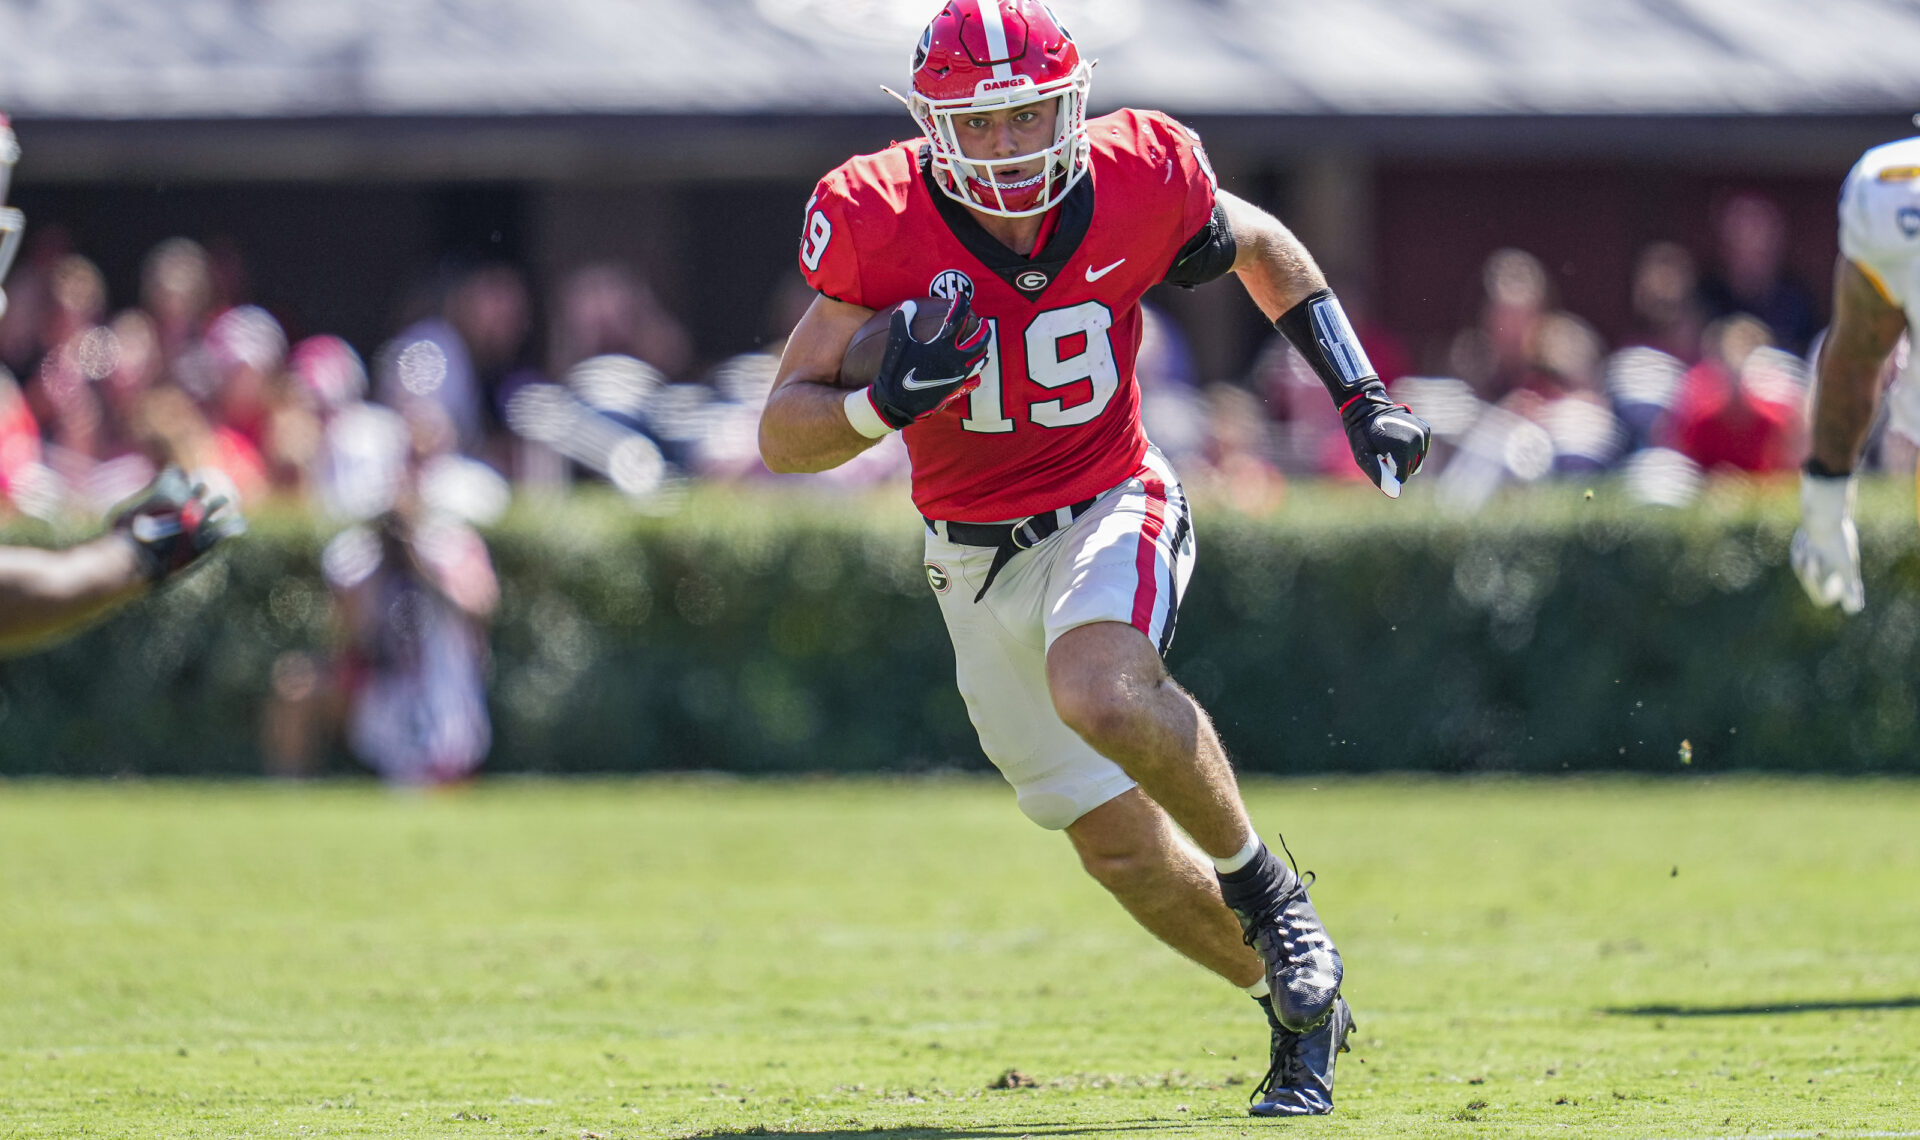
(1126,560)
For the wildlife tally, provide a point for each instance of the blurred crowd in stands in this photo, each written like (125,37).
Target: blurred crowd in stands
(412,454)
(456,411)
(1713,378)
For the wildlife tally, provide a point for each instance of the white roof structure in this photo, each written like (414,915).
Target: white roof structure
(285,59)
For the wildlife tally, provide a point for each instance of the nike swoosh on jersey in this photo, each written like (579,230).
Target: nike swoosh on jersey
(912,385)
(1096,274)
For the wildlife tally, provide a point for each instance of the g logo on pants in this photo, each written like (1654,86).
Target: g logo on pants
(938,578)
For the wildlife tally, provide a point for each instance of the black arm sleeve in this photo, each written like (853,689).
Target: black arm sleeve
(1318,329)
(1206,256)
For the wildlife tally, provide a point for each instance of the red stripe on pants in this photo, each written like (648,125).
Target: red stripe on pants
(1148,590)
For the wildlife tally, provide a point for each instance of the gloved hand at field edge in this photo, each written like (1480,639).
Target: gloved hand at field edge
(172,524)
(1826,548)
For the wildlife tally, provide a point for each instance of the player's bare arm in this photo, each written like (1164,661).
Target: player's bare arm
(1873,301)
(915,378)
(1389,442)
(1275,267)
(805,427)
(1866,327)
(45,592)
(1826,549)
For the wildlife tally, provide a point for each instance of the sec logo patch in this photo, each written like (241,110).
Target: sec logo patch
(950,284)
(938,578)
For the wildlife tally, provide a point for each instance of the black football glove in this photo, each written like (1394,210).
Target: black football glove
(918,378)
(171,523)
(1389,441)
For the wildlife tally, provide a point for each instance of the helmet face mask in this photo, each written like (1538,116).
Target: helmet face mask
(985,56)
(12,222)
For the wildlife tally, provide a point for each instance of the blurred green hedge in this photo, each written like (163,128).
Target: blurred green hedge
(782,631)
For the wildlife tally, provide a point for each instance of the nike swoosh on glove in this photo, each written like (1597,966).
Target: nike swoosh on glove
(917,378)
(1389,442)
(1826,549)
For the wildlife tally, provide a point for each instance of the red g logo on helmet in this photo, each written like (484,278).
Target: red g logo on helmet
(993,55)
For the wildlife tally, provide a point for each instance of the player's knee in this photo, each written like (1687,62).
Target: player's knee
(1103,710)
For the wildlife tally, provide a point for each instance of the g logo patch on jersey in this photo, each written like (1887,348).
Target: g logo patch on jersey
(938,578)
(1032,281)
(950,284)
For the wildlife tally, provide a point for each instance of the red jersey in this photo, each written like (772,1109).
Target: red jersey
(1056,418)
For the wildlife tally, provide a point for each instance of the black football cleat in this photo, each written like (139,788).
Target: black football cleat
(1299,1082)
(1279,922)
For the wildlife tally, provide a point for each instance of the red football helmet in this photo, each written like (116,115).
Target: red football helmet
(12,222)
(990,55)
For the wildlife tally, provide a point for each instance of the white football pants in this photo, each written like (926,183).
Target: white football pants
(1126,560)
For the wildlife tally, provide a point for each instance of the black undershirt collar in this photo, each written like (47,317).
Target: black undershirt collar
(1029,276)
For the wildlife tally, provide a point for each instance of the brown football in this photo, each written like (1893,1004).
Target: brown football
(869,346)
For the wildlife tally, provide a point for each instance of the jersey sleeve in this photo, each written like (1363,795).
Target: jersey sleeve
(1191,171)
(1201,234)
(1880,221)
(827,254)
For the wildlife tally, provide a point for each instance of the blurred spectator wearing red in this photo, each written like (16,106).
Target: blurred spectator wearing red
(173,429)
(247,348)
(1734,410)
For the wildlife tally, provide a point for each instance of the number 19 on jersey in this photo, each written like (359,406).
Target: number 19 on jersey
(1064,347)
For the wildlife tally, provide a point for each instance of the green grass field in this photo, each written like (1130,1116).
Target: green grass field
(664,958)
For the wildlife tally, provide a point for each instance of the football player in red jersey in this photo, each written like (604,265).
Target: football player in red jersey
(1058,538)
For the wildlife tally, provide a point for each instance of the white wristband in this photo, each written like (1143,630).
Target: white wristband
(863,417)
